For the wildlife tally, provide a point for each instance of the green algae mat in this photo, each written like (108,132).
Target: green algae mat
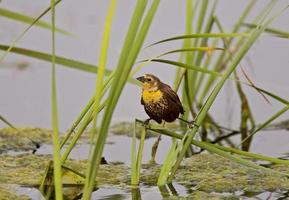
(205,173)
(204,176)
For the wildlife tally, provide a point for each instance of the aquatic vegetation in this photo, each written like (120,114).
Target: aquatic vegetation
(38,135)
(23,139)
(198,195)
(28,138)
(7,193)
(16,144)
(204,175)
(205,172)
(211,173)
(28,169)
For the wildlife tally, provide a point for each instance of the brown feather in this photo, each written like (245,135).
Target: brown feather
(172,95)
(168,108)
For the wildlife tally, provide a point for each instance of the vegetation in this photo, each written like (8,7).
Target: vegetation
(208,58)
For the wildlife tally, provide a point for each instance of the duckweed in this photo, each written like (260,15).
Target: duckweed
(198,195)
(28,170)
(211,173)
(8,193)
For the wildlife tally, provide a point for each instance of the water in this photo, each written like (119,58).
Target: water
(25,83)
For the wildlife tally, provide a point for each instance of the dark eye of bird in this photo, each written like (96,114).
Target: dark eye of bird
(149,79)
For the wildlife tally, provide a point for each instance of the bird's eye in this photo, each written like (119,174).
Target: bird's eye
(149,79)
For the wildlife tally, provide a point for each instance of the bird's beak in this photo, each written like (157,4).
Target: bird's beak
(141,79)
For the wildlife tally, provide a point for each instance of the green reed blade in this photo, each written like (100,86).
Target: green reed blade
(207,62)
(192,75)
(87,119)
(140,153)
(274,96)
(200,55)
(77,121)
(192,49)
(201,35)
(58,59)
(266,123)
(102,59)
(188,57)
(168,163)
(182,50)
(274,31)
(67,62)
(137,158)
(134,180)
(3,119)
(87,113)
(21,35)
(219,64)
(255,156)
(89,183)
(246,114)
(236,159)
(57,172)
(226,153)
(189,67)
(209,102)
(104,89)
(29,20)
(133,42)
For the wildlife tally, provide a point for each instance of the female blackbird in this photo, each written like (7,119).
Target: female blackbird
(159,100)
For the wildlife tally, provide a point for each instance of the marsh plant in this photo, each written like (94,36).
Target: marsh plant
(208,57)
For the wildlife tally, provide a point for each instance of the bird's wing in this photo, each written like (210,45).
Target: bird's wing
(172,95)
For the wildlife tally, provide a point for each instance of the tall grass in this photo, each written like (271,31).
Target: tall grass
(199,77)
(55,136)
(182,147)
(89,182)
(133,42)
(136,160)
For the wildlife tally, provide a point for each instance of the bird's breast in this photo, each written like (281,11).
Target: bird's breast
(152,96)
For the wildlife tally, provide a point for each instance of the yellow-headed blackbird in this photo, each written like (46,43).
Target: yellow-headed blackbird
(159,100)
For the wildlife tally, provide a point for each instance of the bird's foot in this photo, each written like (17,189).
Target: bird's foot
(146,122)
(191,124)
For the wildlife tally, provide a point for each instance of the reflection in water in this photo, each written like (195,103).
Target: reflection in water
(173,190)
(135,194)
(158,193)
(114,197)
(168,190)
(110,194)
(282,195)
(164,191)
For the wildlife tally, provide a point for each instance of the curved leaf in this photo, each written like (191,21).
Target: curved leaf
(58,59)
(189,67)
(201,35)
(67,62)
(267,122)
(29,20)
(206,49)
(275,32)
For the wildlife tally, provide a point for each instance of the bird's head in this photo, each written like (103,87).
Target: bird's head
(149,82)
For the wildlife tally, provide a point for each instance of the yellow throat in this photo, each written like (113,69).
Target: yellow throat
(151,96)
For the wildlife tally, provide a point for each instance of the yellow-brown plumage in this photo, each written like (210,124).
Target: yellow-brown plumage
(159,100)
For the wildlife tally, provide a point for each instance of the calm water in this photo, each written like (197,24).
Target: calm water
(25,83)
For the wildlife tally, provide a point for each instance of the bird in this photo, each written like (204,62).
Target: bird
(160,101)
